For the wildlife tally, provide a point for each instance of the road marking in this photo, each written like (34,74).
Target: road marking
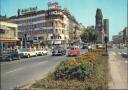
(43,62)
(15,70)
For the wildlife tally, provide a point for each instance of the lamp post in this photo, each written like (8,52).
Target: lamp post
(25,40)
(127,45)
(106,41)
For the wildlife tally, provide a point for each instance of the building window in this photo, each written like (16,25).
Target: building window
(62,32)
(35,38)
(59,37)
(41,38)
(51,37)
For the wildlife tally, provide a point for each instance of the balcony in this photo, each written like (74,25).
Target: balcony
(54,16)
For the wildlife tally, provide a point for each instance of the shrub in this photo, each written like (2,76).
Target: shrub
(78,71)
(87,72)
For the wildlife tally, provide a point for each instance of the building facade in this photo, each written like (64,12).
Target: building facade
(8,35)
(117,39)
(74,29)
(45,27)
(106,27)
(125,35)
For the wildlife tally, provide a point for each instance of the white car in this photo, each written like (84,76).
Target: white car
(100,46)
(41,52)
(24,52)
(44,51)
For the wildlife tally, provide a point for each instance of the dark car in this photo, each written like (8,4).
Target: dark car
(125,55)
(85,46)
(59,51)
(9,55)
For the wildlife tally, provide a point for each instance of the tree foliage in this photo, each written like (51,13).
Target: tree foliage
(89,35)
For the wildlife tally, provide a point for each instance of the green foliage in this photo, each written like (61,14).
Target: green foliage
(79,72)
(89,35)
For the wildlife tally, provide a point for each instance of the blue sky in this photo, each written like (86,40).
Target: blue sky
(83,10)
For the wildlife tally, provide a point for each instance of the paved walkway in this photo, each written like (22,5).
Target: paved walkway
(118,69)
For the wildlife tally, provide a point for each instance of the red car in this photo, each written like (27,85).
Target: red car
(74,52)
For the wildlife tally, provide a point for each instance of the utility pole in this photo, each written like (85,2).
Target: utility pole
(106,41)
(127,45)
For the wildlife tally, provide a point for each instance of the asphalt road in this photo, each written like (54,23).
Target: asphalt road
(21,72)
(118,67)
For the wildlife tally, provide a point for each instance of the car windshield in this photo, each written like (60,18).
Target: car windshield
(72,48)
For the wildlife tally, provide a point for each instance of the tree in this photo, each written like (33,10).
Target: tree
(89,35)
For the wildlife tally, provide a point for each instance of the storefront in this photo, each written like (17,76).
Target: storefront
(8,35)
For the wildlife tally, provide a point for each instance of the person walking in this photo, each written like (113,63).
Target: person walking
(89,47)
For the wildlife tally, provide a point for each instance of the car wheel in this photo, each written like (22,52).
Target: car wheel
(28,56)
(10,59)
(43,54)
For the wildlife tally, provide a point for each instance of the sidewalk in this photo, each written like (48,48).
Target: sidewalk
(118,72)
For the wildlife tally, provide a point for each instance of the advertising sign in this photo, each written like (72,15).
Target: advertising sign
(28,10)
(54,5)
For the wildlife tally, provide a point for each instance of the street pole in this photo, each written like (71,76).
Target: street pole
(106,40)
(127,45)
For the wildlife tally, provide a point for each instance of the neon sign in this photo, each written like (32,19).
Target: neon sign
(54,5)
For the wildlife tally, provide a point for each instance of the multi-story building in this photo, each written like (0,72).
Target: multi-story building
(106,27)
(8,34)
(99,26)
(117,39)
(74,29)
(45,27)
(125,35)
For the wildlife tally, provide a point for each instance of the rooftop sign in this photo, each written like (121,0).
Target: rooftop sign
(53,5)
(27,10)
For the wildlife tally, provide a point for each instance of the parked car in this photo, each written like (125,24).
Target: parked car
(100,46)
(24,52)
(84,46)
(9,55)
(59,51)
(125,55)
(74,51)
(45,51)
(42,52)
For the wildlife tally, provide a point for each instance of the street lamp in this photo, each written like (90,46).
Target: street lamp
(106,41)
(127,45)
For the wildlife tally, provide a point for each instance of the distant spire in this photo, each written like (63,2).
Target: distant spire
(18,12)
(99,13)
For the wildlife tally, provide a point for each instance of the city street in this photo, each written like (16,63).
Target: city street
(21,72)
(36,35)
(118,69)
(24,71)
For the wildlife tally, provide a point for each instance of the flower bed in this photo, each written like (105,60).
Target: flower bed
(89,71)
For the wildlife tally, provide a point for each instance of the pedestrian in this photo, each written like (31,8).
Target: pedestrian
(89,47)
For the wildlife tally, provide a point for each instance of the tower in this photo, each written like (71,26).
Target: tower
(99,25)
(106,27)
